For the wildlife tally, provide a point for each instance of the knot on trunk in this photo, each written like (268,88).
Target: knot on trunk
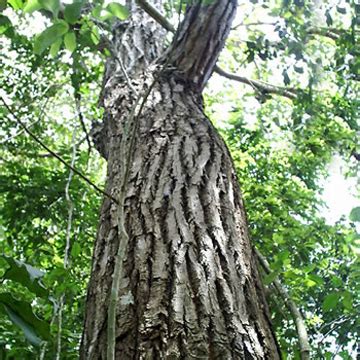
(98,134)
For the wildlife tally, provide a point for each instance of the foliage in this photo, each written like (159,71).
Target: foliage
(281,149)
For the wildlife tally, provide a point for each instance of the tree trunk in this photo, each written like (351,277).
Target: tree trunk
(190,288)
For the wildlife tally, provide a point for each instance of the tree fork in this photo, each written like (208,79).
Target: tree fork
(189,286)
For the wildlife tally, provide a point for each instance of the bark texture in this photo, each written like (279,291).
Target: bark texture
(190,289)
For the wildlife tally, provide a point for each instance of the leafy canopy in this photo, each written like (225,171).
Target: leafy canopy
(51,67)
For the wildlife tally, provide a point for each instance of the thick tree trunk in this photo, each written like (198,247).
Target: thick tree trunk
(190,288)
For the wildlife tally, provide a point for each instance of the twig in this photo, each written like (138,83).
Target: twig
(81,117)
(33,123)
(261,86)
(77,172)
(156,15)
(254,24)
(299,321)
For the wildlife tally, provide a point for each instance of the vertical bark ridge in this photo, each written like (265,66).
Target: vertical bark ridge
(190,289)
(188,273)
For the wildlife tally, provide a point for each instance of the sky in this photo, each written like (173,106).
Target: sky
(339,193)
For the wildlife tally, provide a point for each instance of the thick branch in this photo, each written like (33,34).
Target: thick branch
(299,321)
(201,37)
(259,85)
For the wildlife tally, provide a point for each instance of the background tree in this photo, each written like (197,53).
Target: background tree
(281,147)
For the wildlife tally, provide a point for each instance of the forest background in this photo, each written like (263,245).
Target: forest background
(286,100)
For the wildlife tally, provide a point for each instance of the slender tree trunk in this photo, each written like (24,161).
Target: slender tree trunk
(190,288)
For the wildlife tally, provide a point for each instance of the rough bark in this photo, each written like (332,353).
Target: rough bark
(190,288)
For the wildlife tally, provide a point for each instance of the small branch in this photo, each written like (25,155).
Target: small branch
(330,33)
(156,15)
(299,321)
(81,117)
(254,24)
(34,137)
(42,111)
(261,86)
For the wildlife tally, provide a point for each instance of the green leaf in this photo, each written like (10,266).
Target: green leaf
(49,36)
(32,5)
(21,314)
(331,301)
(355,214)
(26,275)
(70,41)
(347,300)
(3,4)
(118,10)
(96,11)
(28,330)
(51,5)
(5,23)
(16,4)
(268,279)
(72,12)
(55,47)
(76,250)
(95,36)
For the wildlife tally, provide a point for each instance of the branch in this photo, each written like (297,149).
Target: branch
(34,137)
(299,321)
(330,33)
(156,15)
(261,86)
(254,24)
(77,97)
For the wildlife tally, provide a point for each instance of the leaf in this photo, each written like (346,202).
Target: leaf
(118,10)
(329,20)
(49,36)
(3,4)
(55,47)
(5,23)
(268,279)
(32,5)
(96,11)
(16,4)
(76,250)
(341,10)
(330,301)
(72,12)
(26,275)
(70,41)
(299,3)
(355,214)
(28,330)
(51,5)
(21,314)
(286,77)
(347,300)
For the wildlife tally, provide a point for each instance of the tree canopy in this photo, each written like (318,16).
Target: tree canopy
(285,97)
